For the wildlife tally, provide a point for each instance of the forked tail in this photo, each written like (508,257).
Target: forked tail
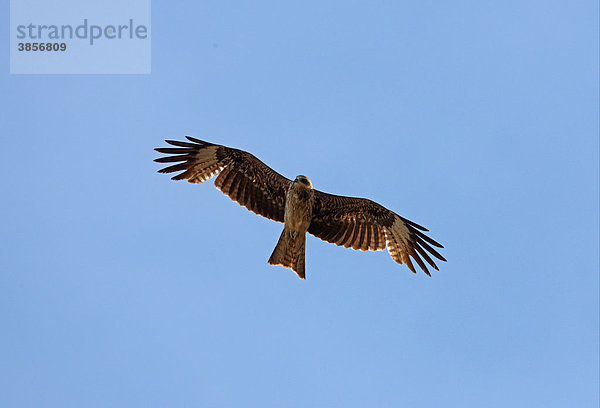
(289,252)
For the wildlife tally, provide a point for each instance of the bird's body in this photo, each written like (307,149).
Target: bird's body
(356,223)
(298,205)
(290,249)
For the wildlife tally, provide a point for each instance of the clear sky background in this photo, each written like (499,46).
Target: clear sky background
(477,120)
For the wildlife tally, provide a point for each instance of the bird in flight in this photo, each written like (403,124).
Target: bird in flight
(356,223)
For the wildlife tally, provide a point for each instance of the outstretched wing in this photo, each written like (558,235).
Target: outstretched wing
(359,223)
(241,176)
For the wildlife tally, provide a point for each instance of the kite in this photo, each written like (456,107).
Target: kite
(356,223)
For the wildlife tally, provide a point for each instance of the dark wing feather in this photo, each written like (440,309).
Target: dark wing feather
(241,176)
(359,223)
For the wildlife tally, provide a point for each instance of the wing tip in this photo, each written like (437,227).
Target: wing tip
(198,141)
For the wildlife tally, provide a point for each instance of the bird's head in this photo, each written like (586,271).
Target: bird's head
(303,180)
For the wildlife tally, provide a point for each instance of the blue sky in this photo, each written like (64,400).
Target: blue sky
(477,120)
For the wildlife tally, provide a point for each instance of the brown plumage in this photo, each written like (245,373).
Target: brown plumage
(356,223)
(289,251)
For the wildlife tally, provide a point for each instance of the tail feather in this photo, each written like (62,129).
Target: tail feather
(300,249)
(289,252)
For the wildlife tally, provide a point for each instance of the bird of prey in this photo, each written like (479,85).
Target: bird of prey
(356,223)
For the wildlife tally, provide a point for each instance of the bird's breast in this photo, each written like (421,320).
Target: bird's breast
(298,208)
